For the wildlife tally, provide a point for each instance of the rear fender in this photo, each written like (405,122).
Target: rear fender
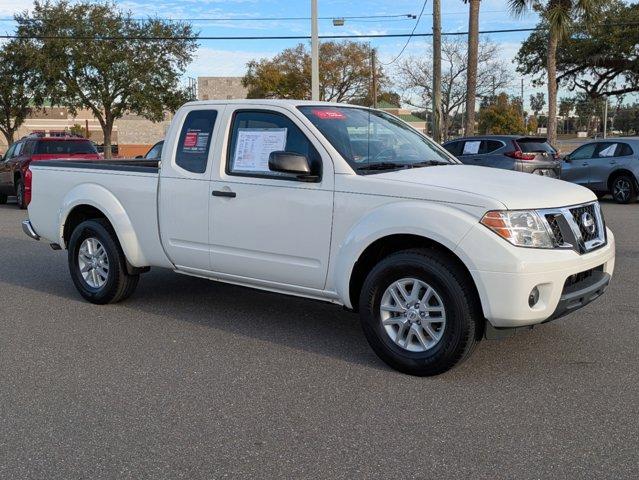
(102,199)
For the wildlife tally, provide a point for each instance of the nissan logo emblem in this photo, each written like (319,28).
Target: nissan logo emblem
(588,222)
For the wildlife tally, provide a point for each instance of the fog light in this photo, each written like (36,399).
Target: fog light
(533,298)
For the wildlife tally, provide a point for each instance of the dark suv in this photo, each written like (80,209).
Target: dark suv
(15,176)
(510,152)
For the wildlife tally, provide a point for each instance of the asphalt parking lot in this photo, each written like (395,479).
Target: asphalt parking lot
(193,379)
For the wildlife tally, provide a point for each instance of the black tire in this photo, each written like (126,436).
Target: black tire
(464,318)
(20,195)
(601,195)
(119,284)
(624,189)
(3,198)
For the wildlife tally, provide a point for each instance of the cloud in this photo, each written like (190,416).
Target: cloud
(211,62)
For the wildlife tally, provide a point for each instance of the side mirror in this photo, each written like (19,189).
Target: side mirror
(293,163)
(139,156)
(567,159)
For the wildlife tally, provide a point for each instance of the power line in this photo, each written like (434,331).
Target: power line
(281,37)
(406,16)
(409,38)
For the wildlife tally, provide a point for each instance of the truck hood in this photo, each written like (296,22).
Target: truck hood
(515,190)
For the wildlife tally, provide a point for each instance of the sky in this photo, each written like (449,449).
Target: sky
(229,58)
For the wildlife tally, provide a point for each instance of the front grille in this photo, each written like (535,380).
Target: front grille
(581,228)
(551,218)
(579,215)
(577,278)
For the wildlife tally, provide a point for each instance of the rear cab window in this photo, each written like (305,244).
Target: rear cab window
(195,140)
(255,134)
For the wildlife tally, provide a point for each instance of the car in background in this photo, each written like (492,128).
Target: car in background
(509,152)
(606,166)
(155,152)
(15,176)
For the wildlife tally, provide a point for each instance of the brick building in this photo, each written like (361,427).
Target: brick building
(220,88)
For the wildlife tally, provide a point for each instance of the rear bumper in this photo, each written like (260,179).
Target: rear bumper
(546,169)
(29,231)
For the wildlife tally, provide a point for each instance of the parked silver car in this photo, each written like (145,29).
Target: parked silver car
(606,166)
(510,152)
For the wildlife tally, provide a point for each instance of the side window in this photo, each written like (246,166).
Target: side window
(195,140)
(18,150)
(156,152)
(28,148)
(454,147)
(624,150)
(489,146)
(584,152)
(9,153)
(256,134)
(607,150)
(471,147)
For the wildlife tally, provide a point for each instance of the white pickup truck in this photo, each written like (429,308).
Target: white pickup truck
(337,203)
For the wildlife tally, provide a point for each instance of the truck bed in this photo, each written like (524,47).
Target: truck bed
(124,164)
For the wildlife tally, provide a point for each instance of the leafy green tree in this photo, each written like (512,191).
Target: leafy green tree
(345,73)
(82,57)
(627,119)
(537,103)
(20,91)
(557,16)
(503,117)
(596,57)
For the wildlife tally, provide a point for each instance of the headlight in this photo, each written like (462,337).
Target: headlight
(520,227)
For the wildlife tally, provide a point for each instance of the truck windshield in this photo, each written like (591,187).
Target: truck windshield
(372,141)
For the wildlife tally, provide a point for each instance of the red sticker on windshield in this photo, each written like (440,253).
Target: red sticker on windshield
(329,114)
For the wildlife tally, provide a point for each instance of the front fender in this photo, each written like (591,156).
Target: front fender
(441,223)
(102,199)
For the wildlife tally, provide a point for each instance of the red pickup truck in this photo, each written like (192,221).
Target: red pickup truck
(15,176)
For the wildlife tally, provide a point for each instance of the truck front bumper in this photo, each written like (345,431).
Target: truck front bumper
(565,280)
(28,229)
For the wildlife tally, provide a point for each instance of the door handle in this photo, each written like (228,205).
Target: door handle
(585,164)
(224,193)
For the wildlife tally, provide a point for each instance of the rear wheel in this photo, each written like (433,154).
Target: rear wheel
(623,189)
(420,313)
(20,194)
(98,265)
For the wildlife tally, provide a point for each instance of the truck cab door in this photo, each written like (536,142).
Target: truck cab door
(6,177)
(266,227)
(187,159)
(577,169)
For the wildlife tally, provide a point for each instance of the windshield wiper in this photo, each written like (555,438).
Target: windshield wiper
(430,163)
(382,166)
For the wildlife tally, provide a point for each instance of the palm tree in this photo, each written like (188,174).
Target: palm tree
(558,14)
(471,77)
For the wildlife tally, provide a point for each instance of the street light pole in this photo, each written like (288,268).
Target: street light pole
(315,89)
(437,71)
(605,123)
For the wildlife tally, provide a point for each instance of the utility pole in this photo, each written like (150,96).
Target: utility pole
(605,125)
(523,115)
(315,89)
(374,73)
(437,71)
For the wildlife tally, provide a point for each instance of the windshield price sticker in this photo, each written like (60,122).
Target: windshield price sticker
(329,114)
(255,145)
(471,148)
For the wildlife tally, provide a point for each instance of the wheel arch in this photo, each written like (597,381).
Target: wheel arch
(387,245)
(621,171)
(89,201)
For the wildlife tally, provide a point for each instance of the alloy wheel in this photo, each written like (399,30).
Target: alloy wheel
(93,262)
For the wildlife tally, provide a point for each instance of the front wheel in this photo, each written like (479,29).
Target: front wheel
(97,264)
(420,312)
(623,189)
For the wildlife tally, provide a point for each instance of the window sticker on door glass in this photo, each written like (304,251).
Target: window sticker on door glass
(471,148)
(254,146)
(195,141)
(608,151)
